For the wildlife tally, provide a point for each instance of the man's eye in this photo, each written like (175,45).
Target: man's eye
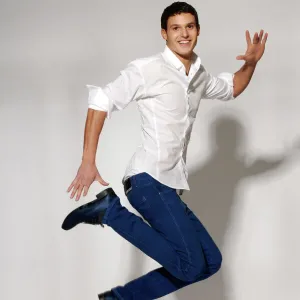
(191,26)
(175,28)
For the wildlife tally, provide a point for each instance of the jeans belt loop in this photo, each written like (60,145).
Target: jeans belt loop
(127,186)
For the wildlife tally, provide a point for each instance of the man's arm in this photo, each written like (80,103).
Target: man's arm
(102,102)
(93,127)
(242,78)
(255,51)
(88,172)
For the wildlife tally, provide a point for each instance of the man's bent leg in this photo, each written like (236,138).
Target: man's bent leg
(170,239)
(160,282)
(171,228)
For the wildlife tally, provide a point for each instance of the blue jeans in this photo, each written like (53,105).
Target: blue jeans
(176,239)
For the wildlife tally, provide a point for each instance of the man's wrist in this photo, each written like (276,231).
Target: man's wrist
(251,65)
(89,160)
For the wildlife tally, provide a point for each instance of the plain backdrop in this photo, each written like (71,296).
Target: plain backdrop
(243,158)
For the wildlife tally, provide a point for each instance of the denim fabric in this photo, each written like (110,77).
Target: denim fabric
(175,238)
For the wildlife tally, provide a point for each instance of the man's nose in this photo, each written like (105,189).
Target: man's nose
(184,33)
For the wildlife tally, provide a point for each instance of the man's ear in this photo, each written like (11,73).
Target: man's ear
(163,34)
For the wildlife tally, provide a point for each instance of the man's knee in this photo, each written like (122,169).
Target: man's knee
(215,265)
(193,272)
(212,266)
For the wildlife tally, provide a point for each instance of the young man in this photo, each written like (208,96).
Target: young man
(167,88)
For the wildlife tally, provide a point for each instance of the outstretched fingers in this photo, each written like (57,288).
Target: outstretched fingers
(72,185)
(86,189)
(261,35)
(255,38)
(75,188)
(79,188)
(79,192)
(248,38)
(265,38)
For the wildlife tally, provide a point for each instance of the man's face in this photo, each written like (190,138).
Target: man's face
(181,34)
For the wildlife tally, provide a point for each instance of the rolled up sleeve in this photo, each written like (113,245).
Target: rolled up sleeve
(118,94)
(220,87)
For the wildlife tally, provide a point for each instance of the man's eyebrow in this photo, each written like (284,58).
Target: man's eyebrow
(186,24)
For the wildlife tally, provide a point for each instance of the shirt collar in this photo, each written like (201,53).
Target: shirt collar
(175,61)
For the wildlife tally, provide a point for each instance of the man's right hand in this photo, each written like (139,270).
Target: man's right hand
(86,175)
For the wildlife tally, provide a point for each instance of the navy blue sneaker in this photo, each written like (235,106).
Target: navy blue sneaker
(92,212)
(107,296)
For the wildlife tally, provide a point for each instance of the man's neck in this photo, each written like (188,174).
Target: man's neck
(186,61)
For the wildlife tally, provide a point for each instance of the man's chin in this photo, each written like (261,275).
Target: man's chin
(186,53)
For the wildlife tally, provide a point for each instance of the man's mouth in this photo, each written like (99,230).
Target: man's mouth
(183,42)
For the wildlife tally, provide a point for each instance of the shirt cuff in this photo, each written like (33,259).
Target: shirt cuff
(98,100)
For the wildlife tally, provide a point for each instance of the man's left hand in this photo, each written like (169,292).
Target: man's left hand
(255,49)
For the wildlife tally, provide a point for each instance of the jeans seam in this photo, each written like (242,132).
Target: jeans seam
(186,248)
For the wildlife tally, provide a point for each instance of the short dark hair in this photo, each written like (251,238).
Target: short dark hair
(177,8)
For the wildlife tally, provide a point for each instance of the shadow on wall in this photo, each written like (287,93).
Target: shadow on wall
(212,197)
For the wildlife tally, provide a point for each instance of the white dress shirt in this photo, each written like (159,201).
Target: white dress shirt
(168,101)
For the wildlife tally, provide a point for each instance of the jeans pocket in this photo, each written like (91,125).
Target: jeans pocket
(143,179)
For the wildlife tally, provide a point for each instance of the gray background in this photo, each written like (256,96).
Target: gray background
(243,158)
